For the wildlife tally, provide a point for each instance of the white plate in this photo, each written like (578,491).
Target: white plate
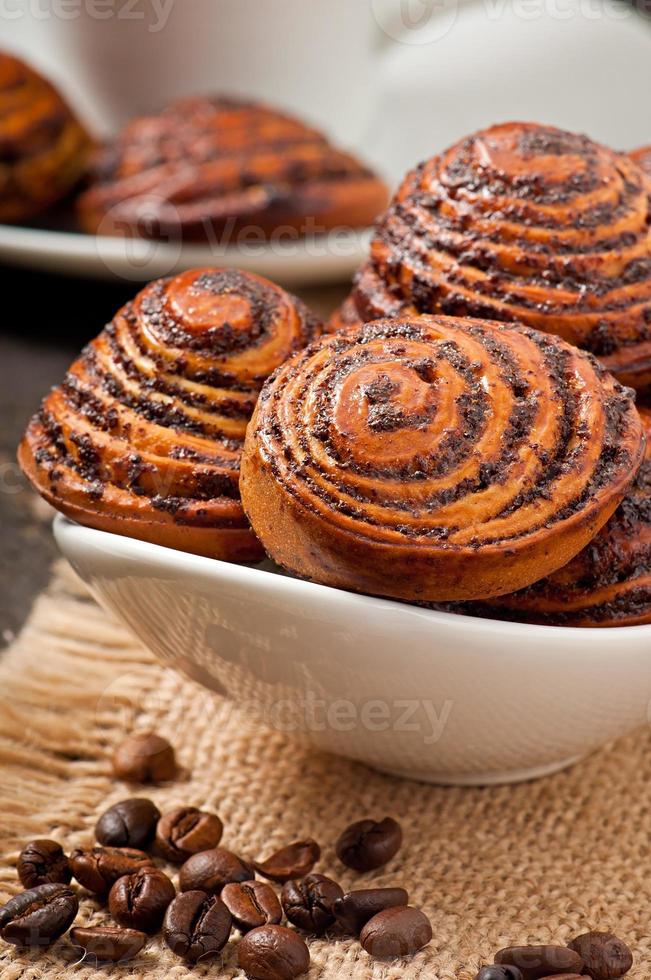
(419,693)
(333,257)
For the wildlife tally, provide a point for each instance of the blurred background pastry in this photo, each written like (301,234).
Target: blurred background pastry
(521,222)
(436,457)
(44,148)
(203,166)
(144,435)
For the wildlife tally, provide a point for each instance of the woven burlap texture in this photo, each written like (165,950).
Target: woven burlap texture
(538,862)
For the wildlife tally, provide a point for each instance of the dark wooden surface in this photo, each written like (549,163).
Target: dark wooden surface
(52,317)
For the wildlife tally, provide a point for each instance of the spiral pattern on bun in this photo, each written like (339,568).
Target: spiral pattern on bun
(607,584)
(521,223)
(437,458)
(144,436)
(205,165)
(43,147)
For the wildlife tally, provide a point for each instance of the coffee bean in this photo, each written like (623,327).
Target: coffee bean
(396,932)
(605,957)
(145,758)
(536,962)
(139,901)
(273,953)
(129,823)
(252,904)
(196,926)
(567,976)
(210,870)
(293,861)
(38,916)
(186,831)
(355,908)
(368,844)
(107,944)
(43,862)
(308,902)
(98,868)
(499,973)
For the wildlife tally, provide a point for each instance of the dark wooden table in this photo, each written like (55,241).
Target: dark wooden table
(51,320)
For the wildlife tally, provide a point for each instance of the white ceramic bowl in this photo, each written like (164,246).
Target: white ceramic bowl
(423,694)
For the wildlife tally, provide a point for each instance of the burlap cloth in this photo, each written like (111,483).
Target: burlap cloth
(535,862)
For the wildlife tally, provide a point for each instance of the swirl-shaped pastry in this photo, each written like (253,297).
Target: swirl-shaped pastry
(521,223)
(145,434)
(437,458)
(207,165)
(607,584)
(44,149)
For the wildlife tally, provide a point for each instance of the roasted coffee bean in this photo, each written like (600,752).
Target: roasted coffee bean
(107,944)
(210,870)
(252,904)
(605,957)
(293,861)
(567,976)
(197,926)
(396,932)
(273,953)
(186,831)
(355,908)
(98,868)
(145,758)
(129,823)
(308,902)
(139,901)
(499,973)
(42,862)
(536,962)
(38,916)
(368,844)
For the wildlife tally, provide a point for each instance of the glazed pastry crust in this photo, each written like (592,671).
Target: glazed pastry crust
(521,223)
(44,149)
(435,458)
(204,167)
(144,435)
(607,584)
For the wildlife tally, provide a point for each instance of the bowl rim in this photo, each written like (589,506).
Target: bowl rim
(127,548)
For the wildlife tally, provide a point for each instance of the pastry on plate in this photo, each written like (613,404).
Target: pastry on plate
(44,149)
(433,458)
(144,435)
(607,584)
(212,166)
(521,223)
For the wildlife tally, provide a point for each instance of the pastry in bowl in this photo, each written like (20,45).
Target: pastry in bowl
(607,584)
(433,457)
(205,166)
(44,149)
(145,433)
(521,223)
